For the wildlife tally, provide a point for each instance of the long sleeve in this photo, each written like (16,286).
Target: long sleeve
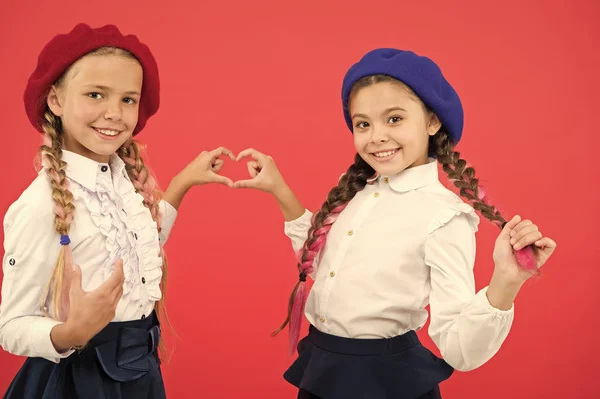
(31,248)
(464,326)
(168,216)
(297,230)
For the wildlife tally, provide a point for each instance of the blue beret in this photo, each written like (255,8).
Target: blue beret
(419,73)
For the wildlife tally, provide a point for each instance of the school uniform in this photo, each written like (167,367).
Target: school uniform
(402,243)
(110,223)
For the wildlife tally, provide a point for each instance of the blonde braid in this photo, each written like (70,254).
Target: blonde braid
(51,155)
(145,185)
(142,180)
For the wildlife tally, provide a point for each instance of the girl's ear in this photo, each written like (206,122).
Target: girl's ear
(54,102)
(434,125)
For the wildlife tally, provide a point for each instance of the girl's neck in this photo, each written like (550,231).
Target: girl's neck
(79,149)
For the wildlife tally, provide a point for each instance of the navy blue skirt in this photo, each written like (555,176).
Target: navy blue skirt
(331,367)
(120,362)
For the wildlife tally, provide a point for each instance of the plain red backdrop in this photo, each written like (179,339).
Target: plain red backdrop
(268,75)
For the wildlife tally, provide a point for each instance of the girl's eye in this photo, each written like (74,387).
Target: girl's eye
(95,96)
(129,101)
(362,125)
(394,119)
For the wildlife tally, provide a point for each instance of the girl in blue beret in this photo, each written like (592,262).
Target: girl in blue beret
(390,239)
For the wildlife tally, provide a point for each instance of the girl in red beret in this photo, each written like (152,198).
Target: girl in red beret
(391,239)
(84,267)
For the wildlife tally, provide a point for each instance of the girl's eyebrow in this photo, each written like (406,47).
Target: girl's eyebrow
(105,88)
(387,111)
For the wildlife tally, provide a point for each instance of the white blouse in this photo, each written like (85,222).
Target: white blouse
(402,243)
(110,223)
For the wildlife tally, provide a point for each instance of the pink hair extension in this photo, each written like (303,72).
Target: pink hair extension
(145,185)
(308,253)
(296,317)
(47,140)
(526,259)
(525,256)
(482,194)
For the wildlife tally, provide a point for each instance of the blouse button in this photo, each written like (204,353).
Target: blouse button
(104,168)
(332,274)
(12,261)
(322,319)
(376,195)
(143,280)
(350,232)
(385,179)
(143,316)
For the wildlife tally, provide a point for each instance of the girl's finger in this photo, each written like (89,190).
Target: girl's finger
(527,240)
(222,180)
(116,296)
(76,285)
(522,233)
(253,168)
(251,152)
(218,166)
(250,183)
(506,231)
(545,243)
(221,151)
(520,226)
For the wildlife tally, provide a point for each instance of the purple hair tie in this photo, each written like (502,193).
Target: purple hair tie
(65,240)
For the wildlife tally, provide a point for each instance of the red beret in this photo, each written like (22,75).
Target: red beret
(63,50)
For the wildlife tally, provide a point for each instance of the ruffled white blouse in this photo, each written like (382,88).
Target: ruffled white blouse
(110,223)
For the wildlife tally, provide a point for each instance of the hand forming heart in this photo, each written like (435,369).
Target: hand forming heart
(205,169)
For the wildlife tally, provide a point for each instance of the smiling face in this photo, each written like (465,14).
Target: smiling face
(391,126)
(97,101)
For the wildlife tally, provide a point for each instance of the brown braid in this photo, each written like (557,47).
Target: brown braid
(353,181)
(462,176)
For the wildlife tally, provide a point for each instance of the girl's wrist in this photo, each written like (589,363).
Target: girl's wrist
(65,337)
(181,182)
(502,291)
(281,191)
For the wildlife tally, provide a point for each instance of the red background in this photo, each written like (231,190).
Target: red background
(268,75)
